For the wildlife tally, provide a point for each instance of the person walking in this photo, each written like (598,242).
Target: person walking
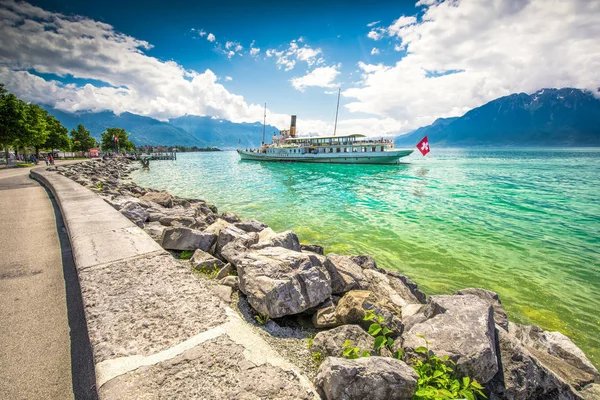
(51,159)
(46,159)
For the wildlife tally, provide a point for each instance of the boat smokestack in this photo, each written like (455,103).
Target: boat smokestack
(293,127)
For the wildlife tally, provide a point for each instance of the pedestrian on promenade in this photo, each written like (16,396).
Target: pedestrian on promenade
(46,159)
(51,159)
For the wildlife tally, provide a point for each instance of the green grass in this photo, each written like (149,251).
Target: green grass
(24,165)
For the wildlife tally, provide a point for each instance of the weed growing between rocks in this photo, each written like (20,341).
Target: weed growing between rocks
(186,255)
(437,380)
(381,333)
(261,319)
(208,271)
(350,352)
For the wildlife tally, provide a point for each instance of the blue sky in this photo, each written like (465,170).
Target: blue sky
(399,64)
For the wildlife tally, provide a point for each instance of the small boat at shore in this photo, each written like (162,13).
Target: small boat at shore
(348,149)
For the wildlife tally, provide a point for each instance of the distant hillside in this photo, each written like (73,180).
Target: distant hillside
(185,131)
(549,117)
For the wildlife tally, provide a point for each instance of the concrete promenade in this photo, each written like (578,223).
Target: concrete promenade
(35,350)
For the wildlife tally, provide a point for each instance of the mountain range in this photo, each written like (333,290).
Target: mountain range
(189,130)
(548,117)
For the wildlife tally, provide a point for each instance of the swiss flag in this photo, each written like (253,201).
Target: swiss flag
(423,146)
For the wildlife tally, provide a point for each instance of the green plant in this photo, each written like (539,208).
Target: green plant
(381,333)
(309,341)
(317,358)
(437,380)
(186,255)
(233,272)
(261,319)
(352,352)
(210,272)
(100,185)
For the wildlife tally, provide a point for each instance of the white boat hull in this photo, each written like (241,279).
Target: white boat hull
(384,157)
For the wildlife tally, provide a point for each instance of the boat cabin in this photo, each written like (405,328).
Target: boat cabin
(355,143)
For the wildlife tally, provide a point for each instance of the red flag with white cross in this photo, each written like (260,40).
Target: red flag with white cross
(423,146)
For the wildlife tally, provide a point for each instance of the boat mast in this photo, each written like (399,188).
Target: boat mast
(264,123)
(336,111)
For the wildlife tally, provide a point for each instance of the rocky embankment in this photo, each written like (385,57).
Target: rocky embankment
(356,307)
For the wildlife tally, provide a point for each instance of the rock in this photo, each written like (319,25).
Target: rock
(365,261)
(352,307)
(279,282)
(155,230)
(461,327)
(313,248)
(325,318)
(233,252)
(223,292)
(413,287)
(553,343)
(492,298)
(345,274)
(413,314)
(390,291)
(231,281)
(203,261)
(591,392)
(179,238)
(331,343)
(373,378)
(522,376)
(165,199)
(569,374)
(230,217)
(230,234)
(154,216)
(251,225)
(225,271)
(183,221)
(216,226)
(268,238)
(135,212)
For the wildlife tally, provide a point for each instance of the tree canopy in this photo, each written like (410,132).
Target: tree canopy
(108,142)
(81,139)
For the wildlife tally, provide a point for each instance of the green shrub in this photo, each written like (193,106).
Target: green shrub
(381,333)
(317,358)
(261,319)
(437,380)
(350,352)
(210,272)
(186,255)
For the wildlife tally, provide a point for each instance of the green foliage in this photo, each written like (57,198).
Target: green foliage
(123,144)
(351,352)
(58,137)
(380,332)
(309,341)
(317,358)
(209,271)
(437,380)
(24,164)
(100,185)
(81,139)
(12,119)
(186,254)
(261,319)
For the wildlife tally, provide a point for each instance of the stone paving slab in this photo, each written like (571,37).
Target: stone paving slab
(214,370)
(144,305)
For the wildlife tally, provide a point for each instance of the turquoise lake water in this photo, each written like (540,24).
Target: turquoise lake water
(523,223)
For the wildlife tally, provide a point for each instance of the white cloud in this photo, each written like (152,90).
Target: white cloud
(211,37)
(371,24)
(375,34)
(228,78)
(463,54)
(374,51)
(202,32)
(320,77)
(38,41)
(254,51)
(287,58)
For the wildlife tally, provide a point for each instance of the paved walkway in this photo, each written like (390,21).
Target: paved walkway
(38,305)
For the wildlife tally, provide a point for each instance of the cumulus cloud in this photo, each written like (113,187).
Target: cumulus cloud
(460,55)
(320,77)
(36,41)
(211,37)
(371,24)
(374,51)
(376,34)
(228,78)
(287,58)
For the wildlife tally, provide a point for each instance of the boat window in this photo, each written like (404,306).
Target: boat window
(345,149)
(363,149)
(354,149)
(382,148)
(338,150)
(331,150)
(373,148)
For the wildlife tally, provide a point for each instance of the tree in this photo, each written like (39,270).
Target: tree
(108,142)
(58,137)
(12,119)
(82,141)
(35,132)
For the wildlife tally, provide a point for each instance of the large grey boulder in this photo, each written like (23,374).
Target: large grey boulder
(135,212)
(461,327)
(165,199)
(325,317)
(313,248)
(179,238)
(391,291)
(279,282)
(353,306)
(553,343)
(522,376)
(230,217)
(217,226)
(345,274)
(331,342)
(251,225)
(373,378)
(492,298)
(366,261)
(203,261)
(591,392)
(230,234)
(269,238)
